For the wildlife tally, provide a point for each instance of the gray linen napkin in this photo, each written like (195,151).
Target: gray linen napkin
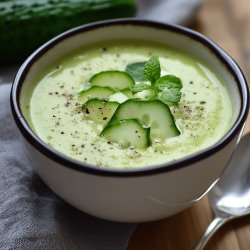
(32,217)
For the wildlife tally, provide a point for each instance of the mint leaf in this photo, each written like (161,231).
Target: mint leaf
(169,87)
(168,81)
(136,71)
(152,69)
(139,87)
(172,95)
(161,86)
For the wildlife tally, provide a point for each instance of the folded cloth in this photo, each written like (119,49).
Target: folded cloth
(32,217)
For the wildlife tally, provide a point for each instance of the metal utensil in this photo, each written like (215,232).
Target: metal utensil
(230,197)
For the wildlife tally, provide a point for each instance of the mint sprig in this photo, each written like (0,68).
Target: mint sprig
(167,88)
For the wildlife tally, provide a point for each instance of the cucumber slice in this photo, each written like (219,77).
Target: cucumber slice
(114,79)
(99,111)
(128,133)
(154,114)
(95,92)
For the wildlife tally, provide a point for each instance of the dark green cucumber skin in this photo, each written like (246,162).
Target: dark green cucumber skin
(27,24)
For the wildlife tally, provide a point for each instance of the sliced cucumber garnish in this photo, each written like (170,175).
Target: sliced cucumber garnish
(133,114)
(99,111)
(154,114)
(128,133)
(95,92)
(114,79)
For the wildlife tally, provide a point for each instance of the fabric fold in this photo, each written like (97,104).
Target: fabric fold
(31,215)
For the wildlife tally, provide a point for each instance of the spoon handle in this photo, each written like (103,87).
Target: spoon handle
(216,223)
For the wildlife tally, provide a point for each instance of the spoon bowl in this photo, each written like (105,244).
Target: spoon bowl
(230,197)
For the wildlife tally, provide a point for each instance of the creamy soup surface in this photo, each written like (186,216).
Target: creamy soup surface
(203,114)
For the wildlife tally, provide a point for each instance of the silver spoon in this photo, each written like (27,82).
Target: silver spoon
(230,197)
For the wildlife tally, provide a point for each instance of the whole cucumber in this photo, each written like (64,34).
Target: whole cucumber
(26,24)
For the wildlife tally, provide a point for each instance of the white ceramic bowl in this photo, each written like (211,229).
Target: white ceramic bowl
(133,195)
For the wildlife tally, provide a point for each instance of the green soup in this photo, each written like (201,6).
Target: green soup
(203,114)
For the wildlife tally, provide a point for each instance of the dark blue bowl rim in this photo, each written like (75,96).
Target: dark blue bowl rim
(65,161)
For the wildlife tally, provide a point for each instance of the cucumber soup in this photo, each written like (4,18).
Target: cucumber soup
(57,115)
